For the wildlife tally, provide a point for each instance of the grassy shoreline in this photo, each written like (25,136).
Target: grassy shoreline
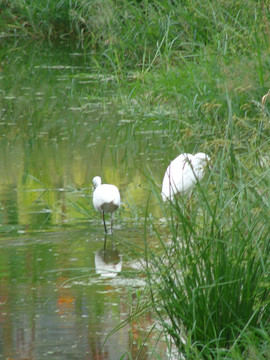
(136,34)
(201,69)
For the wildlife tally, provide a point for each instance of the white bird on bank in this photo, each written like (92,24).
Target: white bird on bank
(182,174)
(106,199)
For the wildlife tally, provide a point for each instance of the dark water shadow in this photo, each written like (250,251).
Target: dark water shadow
(108,261)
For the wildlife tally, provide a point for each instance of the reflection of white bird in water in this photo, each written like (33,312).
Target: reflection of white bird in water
(182,174)
(108,263)
(106,199)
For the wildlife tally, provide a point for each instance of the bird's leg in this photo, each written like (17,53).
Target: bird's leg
(112,223)
(104,222)
(105,242)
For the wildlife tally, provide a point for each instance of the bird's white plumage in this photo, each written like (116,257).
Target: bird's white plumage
(106,198)
(182,174)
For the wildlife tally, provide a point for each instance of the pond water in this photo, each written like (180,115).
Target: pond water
(60,293)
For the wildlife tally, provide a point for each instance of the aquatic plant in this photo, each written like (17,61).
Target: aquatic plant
(210,280)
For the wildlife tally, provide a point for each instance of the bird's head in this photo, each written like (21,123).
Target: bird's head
(96,181)
(203,159)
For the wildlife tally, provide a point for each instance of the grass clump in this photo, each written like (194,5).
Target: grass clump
(210,282)
(37,19)
(143,34)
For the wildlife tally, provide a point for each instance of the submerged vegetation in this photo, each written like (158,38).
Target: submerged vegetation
(193,75)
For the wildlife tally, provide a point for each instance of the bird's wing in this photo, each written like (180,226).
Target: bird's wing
(106,194)
(173,177)
(183,177)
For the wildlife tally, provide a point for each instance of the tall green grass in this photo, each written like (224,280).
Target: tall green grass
(195,71)
(126,34)
(210,280)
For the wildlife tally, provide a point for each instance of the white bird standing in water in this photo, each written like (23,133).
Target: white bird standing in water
(106,199)
(182,174)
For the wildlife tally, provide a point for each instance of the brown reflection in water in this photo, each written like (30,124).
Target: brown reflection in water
(67,325)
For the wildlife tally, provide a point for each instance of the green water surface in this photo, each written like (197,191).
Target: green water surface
(60,294)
